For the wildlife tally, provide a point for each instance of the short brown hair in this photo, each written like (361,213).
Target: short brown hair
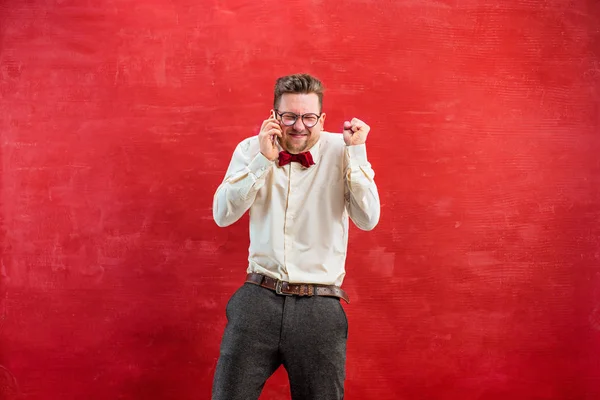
(298,83)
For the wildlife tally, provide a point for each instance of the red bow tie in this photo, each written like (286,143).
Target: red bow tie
(303,158)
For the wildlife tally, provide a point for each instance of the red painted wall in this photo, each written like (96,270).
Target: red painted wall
(118,120)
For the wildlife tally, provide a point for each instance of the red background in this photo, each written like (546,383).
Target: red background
(118,120)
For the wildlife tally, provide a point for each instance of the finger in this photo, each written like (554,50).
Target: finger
(360,127)
(274,125)
(275,132)
(347,125)
(271,125)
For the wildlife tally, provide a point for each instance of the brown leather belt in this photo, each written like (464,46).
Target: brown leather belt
(297,289)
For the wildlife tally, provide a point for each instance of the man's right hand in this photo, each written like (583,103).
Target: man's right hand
(269,130)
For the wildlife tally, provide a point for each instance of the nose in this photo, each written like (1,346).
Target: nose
(299,125)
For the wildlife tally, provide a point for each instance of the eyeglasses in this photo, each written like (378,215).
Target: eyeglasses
(289,118)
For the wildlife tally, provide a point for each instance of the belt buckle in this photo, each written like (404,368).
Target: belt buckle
(278,288)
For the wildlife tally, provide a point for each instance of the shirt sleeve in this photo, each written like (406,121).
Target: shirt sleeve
(245,176)
(362,197)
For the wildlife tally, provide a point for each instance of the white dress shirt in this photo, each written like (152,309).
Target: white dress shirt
(299,216)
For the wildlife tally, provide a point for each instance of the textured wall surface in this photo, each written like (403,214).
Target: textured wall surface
(118,119)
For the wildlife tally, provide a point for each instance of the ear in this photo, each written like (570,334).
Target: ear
(323,116)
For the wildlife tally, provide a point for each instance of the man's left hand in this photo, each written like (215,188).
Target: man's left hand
(355,132)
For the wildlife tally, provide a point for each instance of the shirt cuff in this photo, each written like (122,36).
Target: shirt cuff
(357,154)
(260,165)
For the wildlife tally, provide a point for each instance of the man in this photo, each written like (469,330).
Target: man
(300,184)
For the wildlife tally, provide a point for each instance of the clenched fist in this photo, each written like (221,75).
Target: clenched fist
(355,132)
(266,137)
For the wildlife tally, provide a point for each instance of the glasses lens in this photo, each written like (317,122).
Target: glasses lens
(310,120)
(288,119)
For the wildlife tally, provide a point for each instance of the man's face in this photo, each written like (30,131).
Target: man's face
(298,138)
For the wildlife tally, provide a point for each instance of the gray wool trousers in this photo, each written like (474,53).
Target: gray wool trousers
(307,335)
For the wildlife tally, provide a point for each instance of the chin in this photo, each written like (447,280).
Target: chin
(296,148)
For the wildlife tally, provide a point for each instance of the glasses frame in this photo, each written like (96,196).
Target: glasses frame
(296,116)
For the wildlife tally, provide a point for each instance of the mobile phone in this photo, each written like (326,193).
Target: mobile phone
(274,115)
